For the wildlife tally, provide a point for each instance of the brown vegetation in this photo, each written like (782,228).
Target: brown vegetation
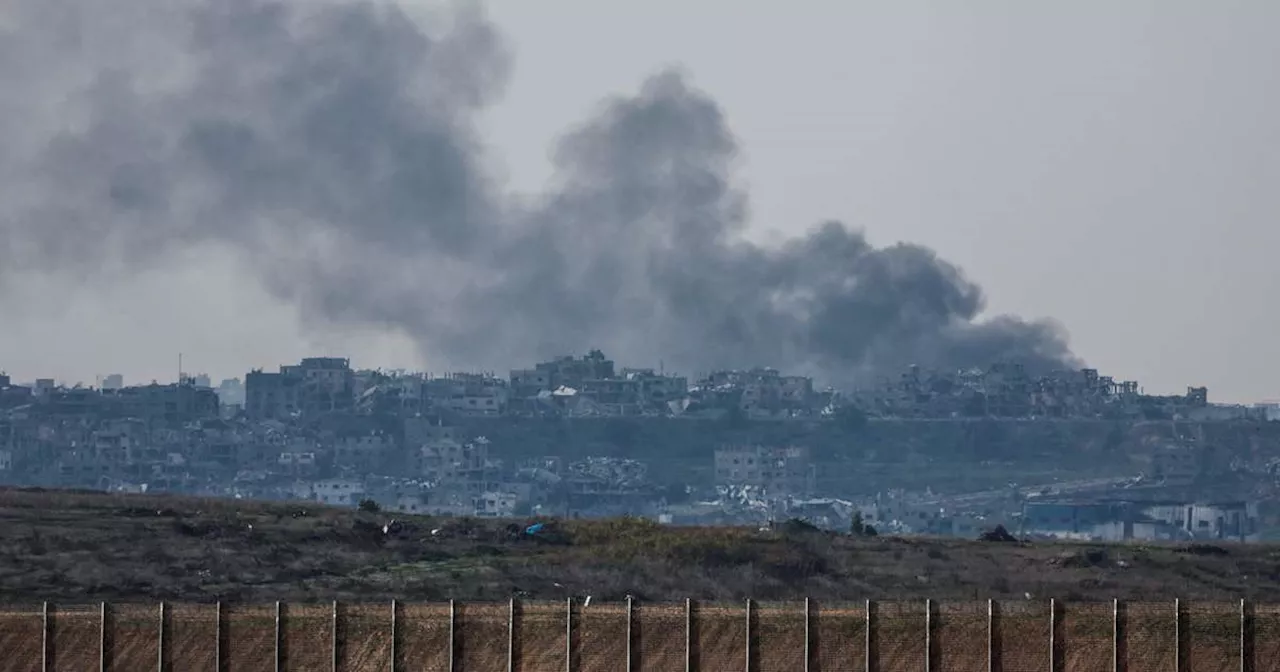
(78,546)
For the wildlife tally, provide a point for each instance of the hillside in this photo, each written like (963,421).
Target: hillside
(73,546)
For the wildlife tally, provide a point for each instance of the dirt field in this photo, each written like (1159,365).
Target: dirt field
(86,547)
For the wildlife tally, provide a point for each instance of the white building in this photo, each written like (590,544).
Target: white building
(335,491)
(496,504)
(779,471)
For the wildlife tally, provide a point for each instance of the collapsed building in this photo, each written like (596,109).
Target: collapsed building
(777,472)
(591,385)
(1007,391)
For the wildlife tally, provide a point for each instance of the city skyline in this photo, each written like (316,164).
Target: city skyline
(182,373)
(1116,189)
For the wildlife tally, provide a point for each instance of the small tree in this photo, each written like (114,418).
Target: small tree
(369,506)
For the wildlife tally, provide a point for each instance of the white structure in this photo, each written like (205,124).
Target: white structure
(496,504)
(335,491)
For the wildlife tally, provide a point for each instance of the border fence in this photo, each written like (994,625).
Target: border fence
(587,636)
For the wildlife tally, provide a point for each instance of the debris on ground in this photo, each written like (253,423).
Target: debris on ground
(1204,549)
(999,534)
(1092,557)
(795,526)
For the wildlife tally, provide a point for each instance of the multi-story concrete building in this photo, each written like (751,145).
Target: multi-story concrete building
(335,491)
(315,385)
(328,384)
(565,371)
(1120,520)
(366,452)
(231,393)
(455,466)
(778,471)
(495,504)
(272,395)
(174,403)
(470,393)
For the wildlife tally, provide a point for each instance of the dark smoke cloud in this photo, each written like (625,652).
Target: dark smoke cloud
(332,145)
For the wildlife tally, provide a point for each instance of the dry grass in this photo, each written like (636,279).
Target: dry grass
(79,546)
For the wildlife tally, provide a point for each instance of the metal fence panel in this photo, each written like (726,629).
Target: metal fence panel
(424,638)
(1149,637)
(719,637)
(1260,637)
(481,638)
(249,637)
(540,637)
(21,639)
(365,636)
(1021,639)
(133,636)
(960,637)
(899,636)
(1211,640)
(602,631)
(1084,637)
(534,637)
(778,636)
(839,635)
(191,638)
(75,636)
(306,637)
(659,630)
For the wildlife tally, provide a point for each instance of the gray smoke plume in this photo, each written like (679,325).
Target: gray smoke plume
(332,146)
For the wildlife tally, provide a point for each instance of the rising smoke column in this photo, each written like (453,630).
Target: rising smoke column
(332,146)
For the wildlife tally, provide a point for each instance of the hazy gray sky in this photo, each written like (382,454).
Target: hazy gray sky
(1109,165)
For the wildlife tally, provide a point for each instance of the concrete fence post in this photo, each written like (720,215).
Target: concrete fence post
(747,666)
(217,636)
(630,617)
(333,637)
(160,640)
(279,639)
(807,653)
(928,635)
(1245,665)
(44,637)
(568,634)
(1053,635)
(453,635)
(394,631)
(1177,635)
(102,637)
(688,634)
(991,635)
(869,658)
(511,635)
(1115,635)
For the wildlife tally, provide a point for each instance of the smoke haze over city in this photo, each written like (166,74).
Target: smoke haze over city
(332,149)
